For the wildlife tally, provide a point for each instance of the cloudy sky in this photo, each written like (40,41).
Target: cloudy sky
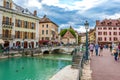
(74,12)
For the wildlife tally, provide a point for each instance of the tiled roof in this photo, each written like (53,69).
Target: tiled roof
(46,20)
(108,22)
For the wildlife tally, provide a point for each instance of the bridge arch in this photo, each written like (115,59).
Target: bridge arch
(46,52)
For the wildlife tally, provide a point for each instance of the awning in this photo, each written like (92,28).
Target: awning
(1,41)
(43,41)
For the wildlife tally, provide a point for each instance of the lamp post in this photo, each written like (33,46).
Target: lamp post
(86,27)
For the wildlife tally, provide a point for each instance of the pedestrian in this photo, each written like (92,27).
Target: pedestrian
(110,48)
(118,50)
(91,47)
(96,49)
(101,50)
(114,51)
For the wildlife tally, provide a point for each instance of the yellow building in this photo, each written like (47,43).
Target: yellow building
(18,26)
(92,36)
(48,30)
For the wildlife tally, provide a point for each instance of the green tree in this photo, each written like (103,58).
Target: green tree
(73,32)
(62,33)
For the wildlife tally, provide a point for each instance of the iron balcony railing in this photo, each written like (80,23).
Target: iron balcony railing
(6,24)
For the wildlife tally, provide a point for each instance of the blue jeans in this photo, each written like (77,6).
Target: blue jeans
(96,50)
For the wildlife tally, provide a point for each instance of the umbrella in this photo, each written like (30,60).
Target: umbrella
(1,41)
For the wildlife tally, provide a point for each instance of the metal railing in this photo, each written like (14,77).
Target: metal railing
(82,60)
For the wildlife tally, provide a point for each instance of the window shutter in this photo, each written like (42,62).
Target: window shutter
(4,3)
(10,21)
(34,25)
(11,5)
(4,19)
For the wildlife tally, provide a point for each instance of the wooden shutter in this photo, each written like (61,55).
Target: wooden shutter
(4,3)
(4,19)
(34,25)
(10,21)
(11,5)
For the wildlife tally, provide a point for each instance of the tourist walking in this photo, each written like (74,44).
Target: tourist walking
(118,50)
(91,47)
(96,49)
(115,53)
(110,48)
(101,50)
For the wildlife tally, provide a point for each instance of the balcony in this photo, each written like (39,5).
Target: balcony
(7,36)
(7,25)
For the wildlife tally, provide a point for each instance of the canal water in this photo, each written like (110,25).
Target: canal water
(32,68)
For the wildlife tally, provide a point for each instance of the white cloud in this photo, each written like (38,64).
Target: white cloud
(113,16)
(33,3)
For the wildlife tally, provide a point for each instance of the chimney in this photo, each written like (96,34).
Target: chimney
(35,13)
(97,22)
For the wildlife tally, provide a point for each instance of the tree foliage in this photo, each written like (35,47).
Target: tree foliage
(73,32)
(62,33)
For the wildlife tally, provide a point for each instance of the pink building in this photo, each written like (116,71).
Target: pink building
(108,31)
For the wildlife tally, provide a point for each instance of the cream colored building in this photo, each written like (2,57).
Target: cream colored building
(18,26)
(83,37)
(48,30)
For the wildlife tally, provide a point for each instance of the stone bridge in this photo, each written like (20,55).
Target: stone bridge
(58,49)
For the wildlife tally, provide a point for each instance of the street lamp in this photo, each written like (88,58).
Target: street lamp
(86,27)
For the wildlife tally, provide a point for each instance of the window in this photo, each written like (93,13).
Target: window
(115,28)
(99,28)
(33,25)
(46,31)
(104,28)
(7,20)
(18,34)
(32,35)
(105,39)
(42,38)
(110,28)
(115,39)
(6,33)
(19,23)
(25,35)
(25,24)
(115,33)
(109,33)
(7,5)
(119,28)
(105,33)
(99,38)
(110,39)
(119,33)
(42,26)
(42,31)
(47,38)
(47,26)
(99,33)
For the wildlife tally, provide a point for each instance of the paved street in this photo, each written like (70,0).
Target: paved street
(105,67)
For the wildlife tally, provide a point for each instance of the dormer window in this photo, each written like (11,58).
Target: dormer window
(7,5)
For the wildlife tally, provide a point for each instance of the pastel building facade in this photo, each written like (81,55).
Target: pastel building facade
(108,31)
(18,26)
(48,30)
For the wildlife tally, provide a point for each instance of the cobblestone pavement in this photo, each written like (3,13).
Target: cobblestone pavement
(105,67)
